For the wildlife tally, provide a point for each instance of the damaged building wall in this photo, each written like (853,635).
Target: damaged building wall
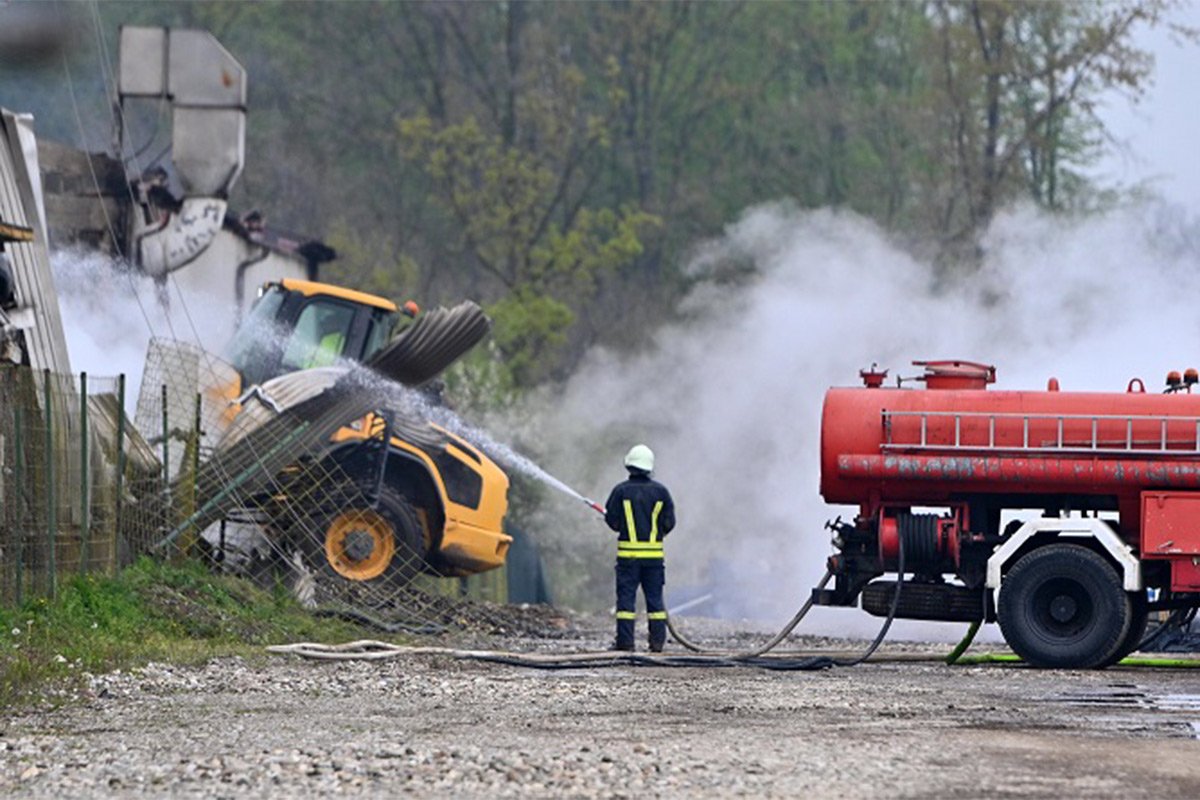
(88,199)
(229,271)
(31,329)
(91,205)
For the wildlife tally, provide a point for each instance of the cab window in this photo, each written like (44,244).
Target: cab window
(378,333)
(254,349)
(319,337)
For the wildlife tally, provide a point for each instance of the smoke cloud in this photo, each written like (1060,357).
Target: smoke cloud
(730,399)
(110,313)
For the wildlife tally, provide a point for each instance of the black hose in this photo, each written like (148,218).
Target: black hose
(703,657)
(1179,619)
(887,623)
(779,637)
(919,535)
(750,658)
(750,655)
(809,664)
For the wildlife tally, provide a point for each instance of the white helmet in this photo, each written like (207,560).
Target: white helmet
(640,457)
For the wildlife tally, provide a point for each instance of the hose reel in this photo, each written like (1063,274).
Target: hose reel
(929,540)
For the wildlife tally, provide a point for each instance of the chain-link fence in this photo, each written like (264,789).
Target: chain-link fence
(60,486)
(328,482)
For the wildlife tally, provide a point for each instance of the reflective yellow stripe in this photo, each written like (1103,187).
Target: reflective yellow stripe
(657,615)
(639,553)
(626,615)
(637,549)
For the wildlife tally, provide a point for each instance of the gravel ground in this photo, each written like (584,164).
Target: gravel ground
(438,727)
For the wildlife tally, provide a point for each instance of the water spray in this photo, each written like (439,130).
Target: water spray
(447,419)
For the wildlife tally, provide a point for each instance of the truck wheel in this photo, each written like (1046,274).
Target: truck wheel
(1139,620)
(1064,606)
(362,544)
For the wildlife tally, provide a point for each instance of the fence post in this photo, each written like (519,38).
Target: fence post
(120,461)
(166,452)
(19,495)
(120,456)
(196,447)
(84,511)
(51,500)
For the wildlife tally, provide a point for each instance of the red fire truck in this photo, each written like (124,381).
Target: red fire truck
(1068,517)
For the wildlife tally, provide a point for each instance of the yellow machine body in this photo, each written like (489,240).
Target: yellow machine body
(462,528)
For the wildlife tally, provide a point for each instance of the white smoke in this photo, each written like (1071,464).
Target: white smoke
(730,401)
(110,313)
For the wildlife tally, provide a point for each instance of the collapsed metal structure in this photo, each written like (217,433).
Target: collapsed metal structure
(261,481)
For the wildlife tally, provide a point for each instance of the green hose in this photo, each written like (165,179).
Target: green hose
(1171,663)
(1131,661)
(962,646)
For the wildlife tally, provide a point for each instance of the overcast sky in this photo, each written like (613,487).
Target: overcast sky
(1163,130)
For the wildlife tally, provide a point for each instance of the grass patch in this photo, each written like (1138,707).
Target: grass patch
(151,611)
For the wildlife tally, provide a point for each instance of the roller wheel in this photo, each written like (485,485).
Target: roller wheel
(384,543)
(1064,606)
(350,552)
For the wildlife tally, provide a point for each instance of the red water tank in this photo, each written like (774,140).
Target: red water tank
(956,438)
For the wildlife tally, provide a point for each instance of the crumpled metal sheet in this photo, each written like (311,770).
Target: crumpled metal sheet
(289,393)
(435,341)
(250,465)
(261,404)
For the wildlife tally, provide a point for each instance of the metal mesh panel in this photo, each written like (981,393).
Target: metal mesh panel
(58,502)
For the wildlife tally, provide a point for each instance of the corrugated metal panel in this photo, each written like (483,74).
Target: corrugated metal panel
(437,339)
(290,391)
(20,193)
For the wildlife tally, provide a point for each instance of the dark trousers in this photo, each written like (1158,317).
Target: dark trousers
(650,574)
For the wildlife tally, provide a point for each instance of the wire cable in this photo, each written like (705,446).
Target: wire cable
(108,223)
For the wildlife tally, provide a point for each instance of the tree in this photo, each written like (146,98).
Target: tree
(1019,81)
(841,110)
(541,143)
(520,221)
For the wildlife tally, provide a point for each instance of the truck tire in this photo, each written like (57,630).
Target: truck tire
(1063,605)
(1137,628)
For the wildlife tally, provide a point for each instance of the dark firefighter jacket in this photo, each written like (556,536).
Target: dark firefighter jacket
(641,511)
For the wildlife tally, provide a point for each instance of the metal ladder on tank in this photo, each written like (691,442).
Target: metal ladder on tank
(1162,445)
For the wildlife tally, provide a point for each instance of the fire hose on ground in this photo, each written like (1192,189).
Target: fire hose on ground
(373,650)
(700,656)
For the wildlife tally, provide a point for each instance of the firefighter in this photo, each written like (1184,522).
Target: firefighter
(642,513)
